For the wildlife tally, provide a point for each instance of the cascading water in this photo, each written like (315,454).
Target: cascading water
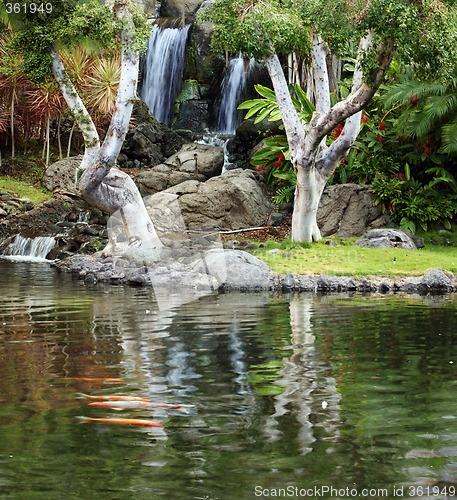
(233,84)
(21,248)
(163,69)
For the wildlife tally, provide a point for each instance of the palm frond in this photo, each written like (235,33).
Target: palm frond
(449,137)
(439,107)
(404,91)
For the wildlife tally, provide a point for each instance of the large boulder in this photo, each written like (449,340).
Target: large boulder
(62,174)
(235,200)
(348,210)
(235,269)
(193,162)
(386,238)
(177,8)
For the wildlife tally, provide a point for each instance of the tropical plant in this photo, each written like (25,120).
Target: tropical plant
(411,202)
(429,108)
(320,29)
(101,84)
(46,103)
(274,155)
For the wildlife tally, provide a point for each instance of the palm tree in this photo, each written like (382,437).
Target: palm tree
(12,83)
(47,102)
(430,108)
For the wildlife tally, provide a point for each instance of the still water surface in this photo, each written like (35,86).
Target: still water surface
(300,393)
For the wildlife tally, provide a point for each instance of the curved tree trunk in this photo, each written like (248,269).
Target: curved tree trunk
(103,186)
(313,160)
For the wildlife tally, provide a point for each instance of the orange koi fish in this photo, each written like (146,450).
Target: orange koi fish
(121,405)
(121,421)
(95,379)
(112,397)
(135,405)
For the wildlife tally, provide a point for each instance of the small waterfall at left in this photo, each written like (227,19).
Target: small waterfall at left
(20,248)
(164,66)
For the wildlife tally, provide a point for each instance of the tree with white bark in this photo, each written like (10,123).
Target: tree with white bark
(119,25)
(415,30)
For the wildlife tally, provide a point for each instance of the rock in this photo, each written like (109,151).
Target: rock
(193,162)
(275,219)
(178,8)
(435,280)
(386,238)
(234,200)
(193,115)
(235,270)
(348,210)
(150,142)
(201,159)
(62,174)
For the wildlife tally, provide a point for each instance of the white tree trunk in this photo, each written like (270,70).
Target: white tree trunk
(310,185)
(103,186)
(313,160)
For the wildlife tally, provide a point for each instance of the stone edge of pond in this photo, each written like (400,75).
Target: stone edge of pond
(92,270)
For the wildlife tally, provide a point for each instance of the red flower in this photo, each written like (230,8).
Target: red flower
(364,118)
(280,156)
(379,138)
(337,131)
(260,168)
(414,99)
(342,161)
(382,126)
(278,163)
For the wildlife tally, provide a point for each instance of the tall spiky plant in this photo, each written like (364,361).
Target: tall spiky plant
(429,108)
(47,102)
(100,86)
(12,82)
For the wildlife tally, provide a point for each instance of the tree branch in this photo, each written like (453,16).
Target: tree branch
(77,109)
(126,95)
(320,75)
(292,124)
(359,97)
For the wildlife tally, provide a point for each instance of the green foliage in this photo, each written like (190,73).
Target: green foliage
(274,156)
(69,24)
(257,27)
(412,202)
(428,108)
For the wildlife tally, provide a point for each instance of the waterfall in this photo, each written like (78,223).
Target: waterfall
(21,248)
(233,84)
(163,69)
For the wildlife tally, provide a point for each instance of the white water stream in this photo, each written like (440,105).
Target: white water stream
(32,249)
(164,68)
(232,87)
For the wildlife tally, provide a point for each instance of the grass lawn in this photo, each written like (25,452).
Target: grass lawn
(346,259)
(23,189)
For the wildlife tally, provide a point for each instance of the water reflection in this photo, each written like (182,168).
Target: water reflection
(296,390)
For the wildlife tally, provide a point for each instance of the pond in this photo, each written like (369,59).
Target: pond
(280,395)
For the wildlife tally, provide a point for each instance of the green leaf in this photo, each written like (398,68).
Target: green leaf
(265,92)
